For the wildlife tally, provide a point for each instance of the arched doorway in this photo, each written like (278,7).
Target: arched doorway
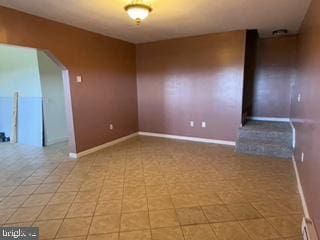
(35,102)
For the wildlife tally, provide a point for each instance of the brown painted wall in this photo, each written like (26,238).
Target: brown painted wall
(306,114)
(108,92)
(249,73)
(275,71)
(195,78)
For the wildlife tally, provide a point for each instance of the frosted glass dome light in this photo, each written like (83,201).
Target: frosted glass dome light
(138,11)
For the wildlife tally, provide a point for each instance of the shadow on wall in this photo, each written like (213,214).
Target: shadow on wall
(37,77)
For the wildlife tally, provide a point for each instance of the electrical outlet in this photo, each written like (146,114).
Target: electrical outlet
(203,124)
(191,123)
(79,79)
(111,126)
(302,156)
(299,97)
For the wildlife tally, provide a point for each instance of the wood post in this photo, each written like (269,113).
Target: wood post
(14,124)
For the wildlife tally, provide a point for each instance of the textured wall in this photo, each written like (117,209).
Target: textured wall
(306,114)
(274,74)
(108,92)
(194,78)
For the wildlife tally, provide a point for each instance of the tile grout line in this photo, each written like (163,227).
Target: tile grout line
(97,201)
(21,205)
(122,198)
(56,234)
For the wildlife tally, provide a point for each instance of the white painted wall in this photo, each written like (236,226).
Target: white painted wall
(19,72)
(55,123)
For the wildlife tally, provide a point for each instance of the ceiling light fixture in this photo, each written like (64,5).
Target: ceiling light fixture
(138,10)
(280,32)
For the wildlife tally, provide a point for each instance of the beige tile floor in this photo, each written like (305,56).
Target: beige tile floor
(149,188)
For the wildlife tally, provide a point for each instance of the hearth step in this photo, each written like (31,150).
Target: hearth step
(265,138)
(263,148)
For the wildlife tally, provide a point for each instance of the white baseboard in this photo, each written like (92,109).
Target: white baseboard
(303,199)
(293,135)
(193,139)
(73,155)
(269,119)
(108,144)
(105,145)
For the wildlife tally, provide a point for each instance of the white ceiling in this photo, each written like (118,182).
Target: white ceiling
(170,18)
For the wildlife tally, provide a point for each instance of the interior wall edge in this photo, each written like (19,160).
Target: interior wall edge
(95,57)
(186,138)
(300,189)
(100,147)
(305,113)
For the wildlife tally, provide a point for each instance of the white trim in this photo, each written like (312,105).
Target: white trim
(293,135)
(73,155)
(193,139)
(308,229)
(303,199)
(269,119)
(105,145)
(108,144)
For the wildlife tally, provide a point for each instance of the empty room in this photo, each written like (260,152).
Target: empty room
(159,120)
